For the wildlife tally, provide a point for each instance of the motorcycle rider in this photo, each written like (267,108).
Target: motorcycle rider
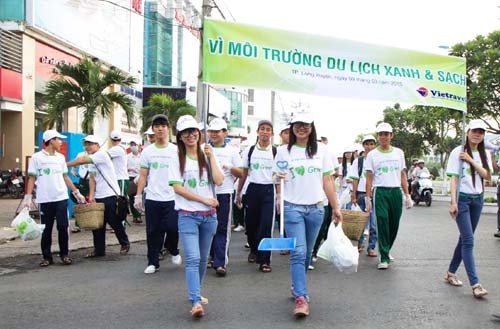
(416,173)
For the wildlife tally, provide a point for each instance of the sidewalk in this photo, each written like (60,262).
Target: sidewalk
(12,246)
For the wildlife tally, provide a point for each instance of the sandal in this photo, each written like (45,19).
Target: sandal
(46,262)
(76,230)
(204,301)
(452,279)
(371,253)
(265,268)
(210,264)
(220,271)
(124,249)
(252,258)
(66,260)
(197,311)
(478,291)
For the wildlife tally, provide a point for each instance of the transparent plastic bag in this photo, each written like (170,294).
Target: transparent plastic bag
(345,197)
(339,250)
(356,207)
(26,226)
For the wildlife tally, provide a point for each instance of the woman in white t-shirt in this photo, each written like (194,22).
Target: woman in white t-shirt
(306,167)
(196,202)
(473,165)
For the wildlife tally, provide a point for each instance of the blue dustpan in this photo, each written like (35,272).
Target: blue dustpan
(281,243)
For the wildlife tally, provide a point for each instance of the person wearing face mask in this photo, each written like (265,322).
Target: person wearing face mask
(133,169)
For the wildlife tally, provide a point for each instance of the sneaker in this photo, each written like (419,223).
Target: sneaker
(478,291)
(239,228)
(497,234)
(177,260)
(314,259)
(301,307)
(391,258)
(247,245)
(383,265)
(150,269)
(310,267)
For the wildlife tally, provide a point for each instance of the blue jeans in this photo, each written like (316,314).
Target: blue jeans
(303,223)
(371,224)
(196,233)
(469,211)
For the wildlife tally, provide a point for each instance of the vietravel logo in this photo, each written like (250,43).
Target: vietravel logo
(424,92)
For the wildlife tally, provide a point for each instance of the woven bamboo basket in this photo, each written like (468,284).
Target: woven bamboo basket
(354,223)
(89,216)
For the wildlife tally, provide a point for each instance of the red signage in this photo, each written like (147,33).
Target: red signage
(137,6)
(179,17)
(47,58)
(11,84)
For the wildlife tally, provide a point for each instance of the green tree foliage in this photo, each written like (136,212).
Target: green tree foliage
(483,77)
(164,104)
(420,130)
(84,86)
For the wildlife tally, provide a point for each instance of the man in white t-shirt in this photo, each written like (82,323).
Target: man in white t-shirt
(260,196)
(119,158)
(415,175)
(48,168)
(385,177)
(103,188)
(133,169)
(230,162)
(161,216)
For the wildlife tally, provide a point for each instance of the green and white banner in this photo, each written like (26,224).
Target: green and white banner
(250,56)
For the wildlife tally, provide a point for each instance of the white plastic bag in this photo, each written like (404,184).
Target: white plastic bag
(339,250)
(345,197)
(27,228)
(356,207)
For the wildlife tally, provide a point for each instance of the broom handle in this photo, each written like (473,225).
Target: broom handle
(282,208)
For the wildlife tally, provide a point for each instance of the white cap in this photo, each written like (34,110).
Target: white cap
(91,139)
(186,122)
(284,128)
(383,127)
(420,161)
(149,131)
(348,149)
(368,138)
(305,117)
(217,124)
(115,135)
(477,124)
(49,134)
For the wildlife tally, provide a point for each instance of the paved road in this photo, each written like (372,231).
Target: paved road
(114,293)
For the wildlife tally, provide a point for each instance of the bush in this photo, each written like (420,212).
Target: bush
(490,199)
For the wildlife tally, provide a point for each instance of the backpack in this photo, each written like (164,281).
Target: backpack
(251,151)
(360,166)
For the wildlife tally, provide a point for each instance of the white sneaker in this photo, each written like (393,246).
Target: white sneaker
(391,258)
(239,228)
(150,269)
(383,265)
(310,268)
(314,259)
(177,260)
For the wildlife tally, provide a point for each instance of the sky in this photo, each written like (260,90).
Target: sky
(424,25)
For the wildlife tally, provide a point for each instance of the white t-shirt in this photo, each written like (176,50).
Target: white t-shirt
(386,166)
(227,154)
(157,160)
(83,169)
(102,160)
(191,181)
(354,174)
(419,171)
(305,175)
(345,177)
(452,169)
(49,170)
(119,158)
(133,164)
(260,168)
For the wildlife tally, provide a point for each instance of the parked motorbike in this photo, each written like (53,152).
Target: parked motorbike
(11,183)
(424,190)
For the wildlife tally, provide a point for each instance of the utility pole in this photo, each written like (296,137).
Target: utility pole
(206,9)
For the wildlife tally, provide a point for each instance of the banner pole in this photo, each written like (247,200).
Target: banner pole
(461,161)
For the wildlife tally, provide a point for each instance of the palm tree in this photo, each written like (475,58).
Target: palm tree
(83,85)
(164,104)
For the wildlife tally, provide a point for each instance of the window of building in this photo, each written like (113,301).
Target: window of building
(250,109)
(250,95)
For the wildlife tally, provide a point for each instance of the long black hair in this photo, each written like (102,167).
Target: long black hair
(344,163)
(482,154)
(312,143)
(181,151)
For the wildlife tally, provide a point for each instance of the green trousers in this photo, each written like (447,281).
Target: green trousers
(388,203)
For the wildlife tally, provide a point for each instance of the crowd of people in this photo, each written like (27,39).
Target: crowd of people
(195,190)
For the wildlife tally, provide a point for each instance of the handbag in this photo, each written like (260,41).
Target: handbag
(121,201)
